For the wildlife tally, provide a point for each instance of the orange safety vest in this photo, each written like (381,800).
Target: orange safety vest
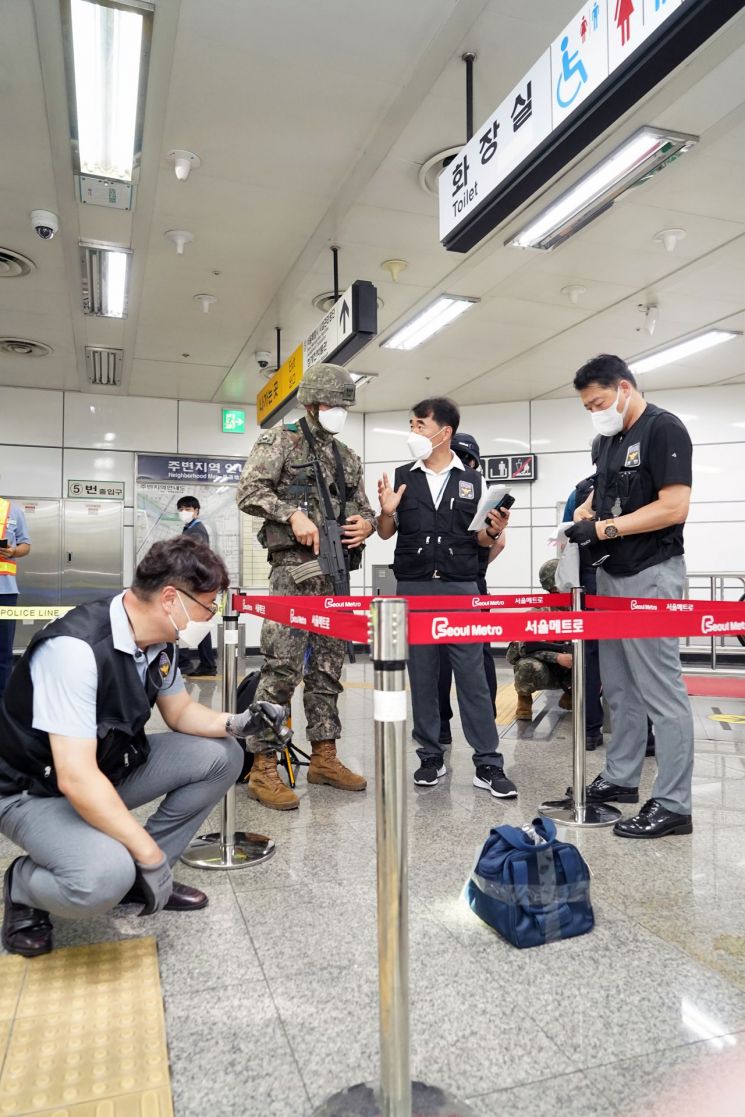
(6,567)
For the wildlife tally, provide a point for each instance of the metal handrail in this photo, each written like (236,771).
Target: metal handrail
(716,580)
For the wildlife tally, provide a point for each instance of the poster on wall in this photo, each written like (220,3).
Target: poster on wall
(232,534)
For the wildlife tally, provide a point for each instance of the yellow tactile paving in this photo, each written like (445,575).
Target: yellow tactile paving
(12,970)
(506,703)
(88,1037)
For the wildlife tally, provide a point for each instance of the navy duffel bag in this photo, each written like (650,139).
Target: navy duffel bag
(530,887)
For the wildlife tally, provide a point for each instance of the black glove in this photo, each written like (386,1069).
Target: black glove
(274,717)
(258,717)
(156,882)
(583,533)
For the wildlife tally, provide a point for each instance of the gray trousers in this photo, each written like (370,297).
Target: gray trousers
(643,677)
(74,870)
(472,689)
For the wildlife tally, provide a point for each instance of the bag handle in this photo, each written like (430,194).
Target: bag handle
(518,839)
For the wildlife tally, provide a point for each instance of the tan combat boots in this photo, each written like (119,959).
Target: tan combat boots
(524,711)
(265,785)
(325,767)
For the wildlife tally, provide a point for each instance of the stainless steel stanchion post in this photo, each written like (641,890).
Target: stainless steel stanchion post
(230,848)
(397,1095)
(575,810)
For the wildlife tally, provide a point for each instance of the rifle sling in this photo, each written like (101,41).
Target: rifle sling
(341,484)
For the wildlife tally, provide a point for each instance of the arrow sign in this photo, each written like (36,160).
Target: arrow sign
(343,315)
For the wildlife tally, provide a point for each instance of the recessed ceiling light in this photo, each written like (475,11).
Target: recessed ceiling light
(440,313)
(697,343)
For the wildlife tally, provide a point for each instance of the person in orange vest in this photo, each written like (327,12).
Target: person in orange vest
(14,544)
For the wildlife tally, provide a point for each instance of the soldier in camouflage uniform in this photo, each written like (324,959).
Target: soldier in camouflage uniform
(541,666)
(288,500)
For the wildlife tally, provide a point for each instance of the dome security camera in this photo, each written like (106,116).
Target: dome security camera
(44,223)
(263,358)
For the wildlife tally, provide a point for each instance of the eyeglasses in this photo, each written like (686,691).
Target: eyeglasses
(212,609)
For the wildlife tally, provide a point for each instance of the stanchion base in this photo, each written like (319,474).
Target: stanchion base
(209,852)
(567,812)
(364,1101)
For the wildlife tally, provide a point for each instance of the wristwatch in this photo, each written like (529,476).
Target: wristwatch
(610,531)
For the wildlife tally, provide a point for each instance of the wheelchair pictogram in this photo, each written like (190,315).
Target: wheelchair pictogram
(573,70)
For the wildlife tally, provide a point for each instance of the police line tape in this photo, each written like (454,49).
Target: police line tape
(665,605)
(316,614)
(33,612)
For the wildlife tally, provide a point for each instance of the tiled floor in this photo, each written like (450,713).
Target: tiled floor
(271,992)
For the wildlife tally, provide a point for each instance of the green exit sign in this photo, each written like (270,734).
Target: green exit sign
(233,420)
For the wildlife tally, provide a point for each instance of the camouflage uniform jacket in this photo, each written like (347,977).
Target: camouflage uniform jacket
(543,651)
(271,488)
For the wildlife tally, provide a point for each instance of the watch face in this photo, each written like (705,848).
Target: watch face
(611,531)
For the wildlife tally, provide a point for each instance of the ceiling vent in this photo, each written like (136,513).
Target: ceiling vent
(13,265)
(23,347)
(430,171)
(104,366)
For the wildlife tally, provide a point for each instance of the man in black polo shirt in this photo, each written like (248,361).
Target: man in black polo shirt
(430,506)
(632,528)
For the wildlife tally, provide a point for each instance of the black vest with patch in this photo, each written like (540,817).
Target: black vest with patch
(435,542)
(123,708)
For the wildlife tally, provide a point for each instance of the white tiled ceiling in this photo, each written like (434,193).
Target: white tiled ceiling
(312,121)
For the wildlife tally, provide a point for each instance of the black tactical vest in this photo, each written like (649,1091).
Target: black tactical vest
(435,542)
(123,707)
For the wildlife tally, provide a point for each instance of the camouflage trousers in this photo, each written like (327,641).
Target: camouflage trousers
(292,655)
(533,674)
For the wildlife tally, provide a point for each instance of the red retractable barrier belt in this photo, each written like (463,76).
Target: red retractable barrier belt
(309,613)
(464,628)
(665,605)
(419,604)
(346,618)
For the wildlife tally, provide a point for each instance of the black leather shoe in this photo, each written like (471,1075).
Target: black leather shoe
(654,821)
(200,671)
(183,898)
(26,931)
(593,741)
(601,791)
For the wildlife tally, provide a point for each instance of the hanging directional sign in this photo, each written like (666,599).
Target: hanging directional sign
(598,67)
(350,323)
(348,326)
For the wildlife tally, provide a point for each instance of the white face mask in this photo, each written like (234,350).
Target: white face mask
(333,419)
(420,447)
(610,421)
(186,515)
(194,631)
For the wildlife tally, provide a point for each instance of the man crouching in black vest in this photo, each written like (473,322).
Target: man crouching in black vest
(75,759)
(430,506)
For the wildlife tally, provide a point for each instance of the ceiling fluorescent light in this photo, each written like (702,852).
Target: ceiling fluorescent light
(680,349)
(110,45)
(444,310)
(362,378)
(104,280)
(640,156)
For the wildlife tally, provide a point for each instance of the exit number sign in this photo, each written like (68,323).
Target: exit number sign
(233,420)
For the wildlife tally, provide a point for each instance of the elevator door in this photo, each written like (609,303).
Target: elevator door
(39,572)
(91,550)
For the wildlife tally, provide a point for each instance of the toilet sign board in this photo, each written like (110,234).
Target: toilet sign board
(599,66)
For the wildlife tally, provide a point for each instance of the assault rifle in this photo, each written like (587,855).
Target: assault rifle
(332,558)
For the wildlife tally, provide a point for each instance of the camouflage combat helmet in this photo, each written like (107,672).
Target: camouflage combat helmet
(330,384)
(547,574)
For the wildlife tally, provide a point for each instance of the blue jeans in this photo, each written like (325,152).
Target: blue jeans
(7,635)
